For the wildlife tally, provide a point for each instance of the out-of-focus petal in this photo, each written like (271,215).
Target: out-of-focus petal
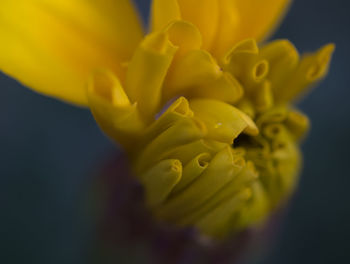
(298,124)
(218,222)
(204,15)
(258,18)
(163,12)
(228,24)
(53,45)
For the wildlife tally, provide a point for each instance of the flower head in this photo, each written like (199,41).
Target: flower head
(200,106)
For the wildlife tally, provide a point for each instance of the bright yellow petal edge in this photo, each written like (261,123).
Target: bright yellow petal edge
(53,45)
(204,115)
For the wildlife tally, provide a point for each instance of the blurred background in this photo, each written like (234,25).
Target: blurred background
(49,150)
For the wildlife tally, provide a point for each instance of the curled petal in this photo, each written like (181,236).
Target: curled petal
(163,12)
(244,48)
(152,60)
(222,165)
(298,124)
(263,96)
(218,222)
(159,181)
(240,181)
(111,107)
(274,115)
(193,170)
(225,88)
(222,23)
(223,121)
(194,69)
(52,46)
(204,16)
(197,74)
(184,35)
(256,209)
(186,152)
(278,161)
(283,59)
(146,72)
(243,62)
(311,69)
(191,130)
(247,107)
(178,110)
(287,160)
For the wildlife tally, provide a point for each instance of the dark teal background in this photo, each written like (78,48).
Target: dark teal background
(48,149)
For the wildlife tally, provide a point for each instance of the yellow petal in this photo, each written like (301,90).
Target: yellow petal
(184,35)
(225,88)
(244,63)
(257,18)
(311,69)
(193,170)
(277,159)
(238,52)
(227,27)
(178,110)
(287,162)
(283,59)
(185,153)
(256,209)
(53,45)
(219,172)
(180,133)
(298,124)
(247,107)
(112,109)
(160,180)
(147,71)
(197,74)
(263,96)
(152,60)
(242,179)
(203,15)
(273,115)
(223,121)
(163,12)
(218,222)
(287,159)
(195,68)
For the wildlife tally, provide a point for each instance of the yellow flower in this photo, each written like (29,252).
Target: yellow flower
(202,110)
